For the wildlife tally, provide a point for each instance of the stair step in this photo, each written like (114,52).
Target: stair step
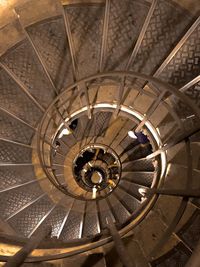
(74,225)
(118,209)
(91,225)
(130,202)
(138,165)
(139,177)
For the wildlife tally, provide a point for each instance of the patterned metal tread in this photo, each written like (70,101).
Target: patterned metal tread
(185,65)
(128,201)
(194,93)
(190,233)
(50,39)
(175,258)
(23,62)
(119,211)
(104,211)
(91,220)
(166,26)
(13,99)
(25,222)
(138,165)
(15,175)
(131,188)
(86,23)
(141,178)
(12,129)
(14,153)
(125,21)
(12,201)
(74,224)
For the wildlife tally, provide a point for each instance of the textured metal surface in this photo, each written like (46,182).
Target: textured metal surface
(15,175)
(166,26)
(128,201)
(138,165)
(119,211)
(25,221)
(23,62)
(50,39)
(98,125)
(14,153)
(194,93)
(130,188)
(91,220)
(14,130)
(125,21)
(12,201)
(74,224)
(104,212)
(175,258)
(141,178)
(190,233)
(185,65)
(185,113)
(135,151)
(86,27)
(55,220)
(13,99)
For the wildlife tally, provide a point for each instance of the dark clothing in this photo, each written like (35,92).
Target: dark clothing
(142,138)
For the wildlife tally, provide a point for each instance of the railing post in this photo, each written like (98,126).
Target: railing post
(33,243)
(120,248)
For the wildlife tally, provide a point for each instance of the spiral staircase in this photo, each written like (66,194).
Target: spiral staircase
(77,80)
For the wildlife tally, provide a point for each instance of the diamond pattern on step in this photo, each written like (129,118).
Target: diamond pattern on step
(166,26)
(91,220)
(14,130)
(13,200)
(50,39)
(128,201)
(13,99)
(86,24)
(98,124)
(185,65)
(74,223)
(138,165)
(141,178)
(24,63)
(185,113)
(125,21)
(120,212)
(130,188)
(104,212)
(27,220)
(55,219)
(15,175)
(12,153)
(194,93)
(177,257)
(190,233)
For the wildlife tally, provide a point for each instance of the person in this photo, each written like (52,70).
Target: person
(144,141)
(142,138)
(57,145)
(73,124)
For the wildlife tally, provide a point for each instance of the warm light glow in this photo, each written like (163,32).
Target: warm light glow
(142,191)
(94,192)
(65,131)
(3,2)
(131,134)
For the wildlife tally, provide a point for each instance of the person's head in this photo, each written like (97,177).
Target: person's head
(57,143)
(73,124)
